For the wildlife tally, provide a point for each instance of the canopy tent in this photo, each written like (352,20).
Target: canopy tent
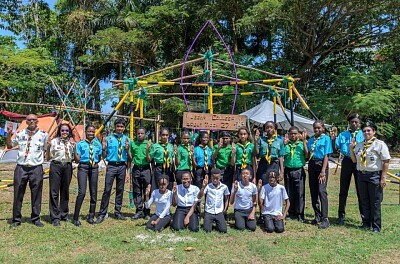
(264,112)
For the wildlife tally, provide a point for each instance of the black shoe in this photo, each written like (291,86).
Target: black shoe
(120,217)
(340,221)
(56,222)
(315,221)
(66,219)
(260,220)
(76,223)
(99,219)
(15,224)
(364,226)
(137,216)
(90,221)
(38,223)
(300,219)
(324,224)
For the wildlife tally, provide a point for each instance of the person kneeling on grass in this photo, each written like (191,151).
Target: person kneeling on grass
(185,198)
(270,197)
(244,195)
(162,197)
(216,192)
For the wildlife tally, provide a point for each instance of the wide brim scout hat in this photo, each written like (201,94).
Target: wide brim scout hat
(369,124)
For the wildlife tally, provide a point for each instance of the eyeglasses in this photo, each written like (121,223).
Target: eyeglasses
(31,120)
(64,130)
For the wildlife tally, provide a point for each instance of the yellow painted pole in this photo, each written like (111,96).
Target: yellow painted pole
(98,131)
(131,116)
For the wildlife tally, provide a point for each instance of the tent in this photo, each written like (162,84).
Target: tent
(264,112)
(47,124)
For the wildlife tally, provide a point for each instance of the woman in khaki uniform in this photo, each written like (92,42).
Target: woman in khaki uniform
(372,157)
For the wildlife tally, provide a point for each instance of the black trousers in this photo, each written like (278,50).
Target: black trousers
(179,217)
(227,176)
(371,195)
(141,178)
(178,175)
(242,219)
(319,195)
(59,180)
(22,176)
(87,173)
(219,219)
(238,173)
(199,175)
(271,224)
(295,184)
(158,172)
(162,224)
(117,172)
(264,168)
(348,168)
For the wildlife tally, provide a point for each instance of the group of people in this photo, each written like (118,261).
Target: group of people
(245,174)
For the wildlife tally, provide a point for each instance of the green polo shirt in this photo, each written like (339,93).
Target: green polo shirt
(138,152)
(277,147)
(184,159)
(223,158)
(298,160)
(249,153)
(157,152)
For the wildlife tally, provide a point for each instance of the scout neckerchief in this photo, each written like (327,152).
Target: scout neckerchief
(313,146)
(166,163)
(119,146)
(268,156)
(66,148)
(91,153)
(367,144)
(190,156)
(205,157)
(353,135)
(244,156)
(28,144)
(293,146)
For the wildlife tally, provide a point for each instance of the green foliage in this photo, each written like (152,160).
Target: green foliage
(346,52)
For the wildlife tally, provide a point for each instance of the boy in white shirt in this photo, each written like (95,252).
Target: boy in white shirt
(215,208)
(271,197)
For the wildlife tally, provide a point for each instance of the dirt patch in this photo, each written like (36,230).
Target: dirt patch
(392,256)
(163,238)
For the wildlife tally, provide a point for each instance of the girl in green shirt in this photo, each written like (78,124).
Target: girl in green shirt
(162,154)
(183,157)
(243,153)
(223,158)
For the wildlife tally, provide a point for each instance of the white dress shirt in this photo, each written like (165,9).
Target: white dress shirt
(30,152)
(187,197)
(244,196)
(215,198)
(57,150)
(162,201)
(273,199)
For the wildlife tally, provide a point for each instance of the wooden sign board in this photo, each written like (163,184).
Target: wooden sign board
(213,121)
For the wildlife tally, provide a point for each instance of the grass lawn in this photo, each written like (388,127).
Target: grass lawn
(128,242)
